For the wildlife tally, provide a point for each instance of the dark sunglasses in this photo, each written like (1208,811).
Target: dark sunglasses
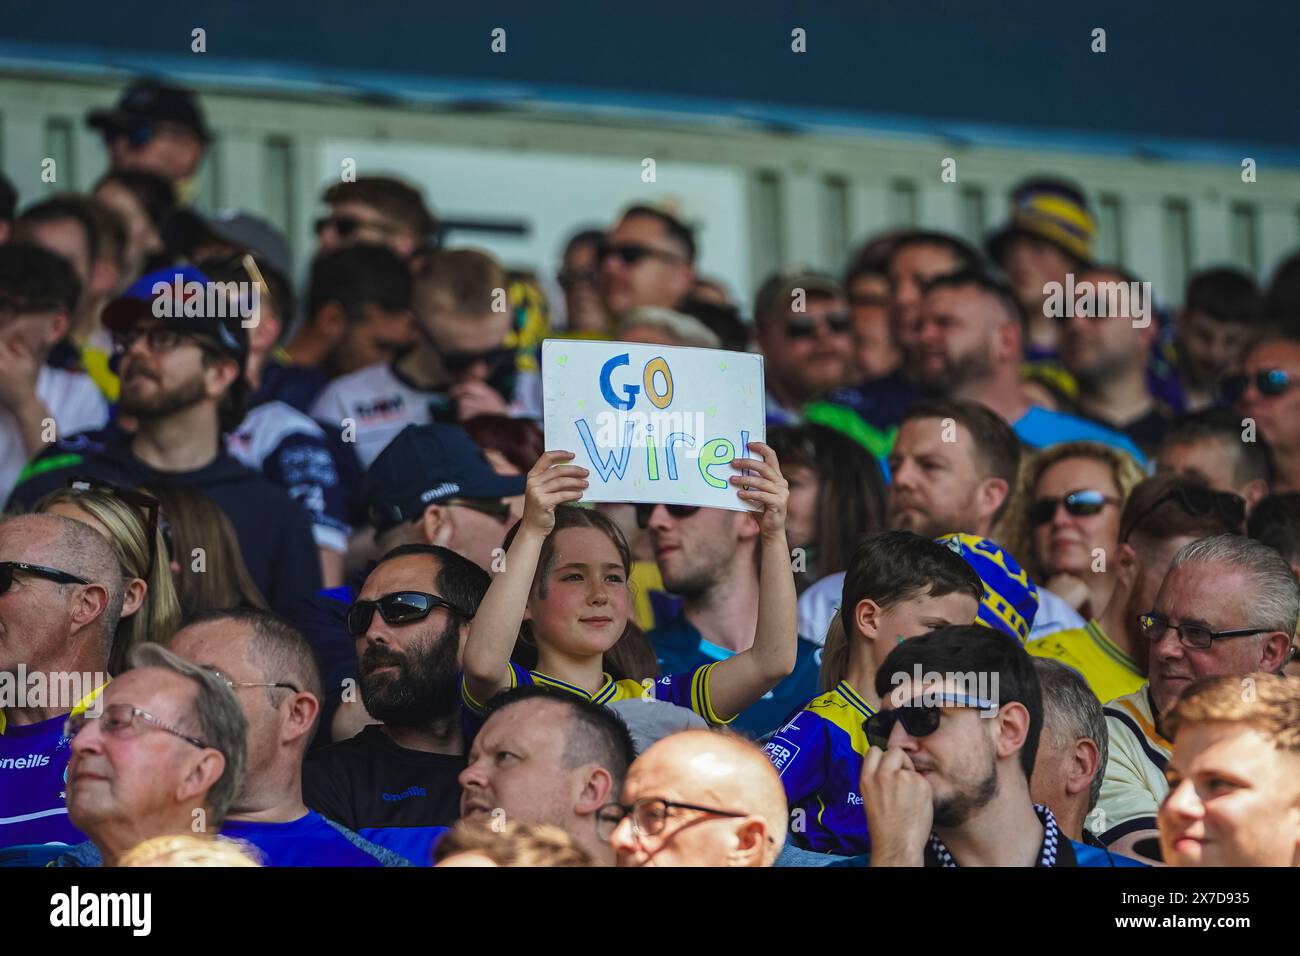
(347,226)
(630,253)
(495,359)
(147,505)
(919,719)
(805,327)
(1077,503)
(1196,501)
(137,136)
(400,607)
(7,569)
(643,513)
(1270,383)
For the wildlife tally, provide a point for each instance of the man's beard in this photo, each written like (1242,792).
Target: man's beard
(164,402)
(957,373)
(425,688)
(970,798)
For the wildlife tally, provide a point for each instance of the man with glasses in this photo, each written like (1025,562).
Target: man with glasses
(1106,347)
(375,209)
(165,755)
(271,669)
(647,259)
(698,798)
(395,782)
(157,128)
(1162,515)
(1228,606)
(182,385)
(945,781)
(38,299)
(60,602)
(1267,395)
(462,365)
(546,756)
(803,328)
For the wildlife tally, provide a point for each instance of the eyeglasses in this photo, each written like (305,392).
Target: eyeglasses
(631,253)
(805,327)
(1197,501)
(137,136)
(233,684)
(495,359)
(1077,503)
(146,504)
(124,721)
(644,513)
(400,607)
(572,278)
(1270,383)
(919,719)
(347,226)
(1153,626)
(158,339)
(484,506)
(649,816)
(7,569)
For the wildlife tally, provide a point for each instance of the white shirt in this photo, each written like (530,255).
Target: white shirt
(75,404)
(377,405)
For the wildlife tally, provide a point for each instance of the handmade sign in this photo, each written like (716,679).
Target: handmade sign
(653,423)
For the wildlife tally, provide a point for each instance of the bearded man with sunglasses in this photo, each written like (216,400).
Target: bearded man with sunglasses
(1228,606)
(60,602)
(182,384)
(946,780)
(648,258)
(396,782)
(462,364)
(804,330)
(1267,394)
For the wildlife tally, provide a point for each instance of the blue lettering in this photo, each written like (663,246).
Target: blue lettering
(606,387)
(617,463)
(674,439)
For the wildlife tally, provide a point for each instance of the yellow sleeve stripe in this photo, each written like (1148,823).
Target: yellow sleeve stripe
(470,702)
(702,699)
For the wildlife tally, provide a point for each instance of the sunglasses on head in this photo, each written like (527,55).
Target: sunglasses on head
(1270,383)
(1077,503)
(630,253)
(495,359)
(805,327)
(920,719)
(147,505)
(400,607)
(1196,501)
(8,568)
(643,513)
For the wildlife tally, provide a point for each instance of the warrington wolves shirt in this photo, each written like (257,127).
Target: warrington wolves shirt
(818,754)
(690,690)
(311,840)
(34,781)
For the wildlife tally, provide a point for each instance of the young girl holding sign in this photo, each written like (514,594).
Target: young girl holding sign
(566,575)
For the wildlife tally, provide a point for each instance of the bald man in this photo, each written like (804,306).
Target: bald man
(60,601)
(698,798)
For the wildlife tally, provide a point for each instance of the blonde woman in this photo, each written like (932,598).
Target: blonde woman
(1063,522)
(151,610)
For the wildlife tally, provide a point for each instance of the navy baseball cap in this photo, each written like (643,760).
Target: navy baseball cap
(224,326)
(148,101)
(425,465)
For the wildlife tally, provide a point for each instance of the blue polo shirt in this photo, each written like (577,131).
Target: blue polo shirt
(681,648)
(1040,427)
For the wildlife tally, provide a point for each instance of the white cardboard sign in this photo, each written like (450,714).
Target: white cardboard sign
(653,423)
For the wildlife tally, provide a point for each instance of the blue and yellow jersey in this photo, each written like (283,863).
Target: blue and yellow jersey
(689,689)
(818,754)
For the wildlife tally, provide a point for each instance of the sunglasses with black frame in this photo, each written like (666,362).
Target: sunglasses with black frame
(1079,503)
(8,568)
(1196,501)
(145,503)
(644,513)
(1269,382)
(397,608)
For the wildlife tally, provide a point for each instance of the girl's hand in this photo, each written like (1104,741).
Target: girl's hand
(766,489)
(549,484)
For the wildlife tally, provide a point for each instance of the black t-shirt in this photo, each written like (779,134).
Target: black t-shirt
(369,782)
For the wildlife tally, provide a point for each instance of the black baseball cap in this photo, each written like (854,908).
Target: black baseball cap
(425,465)
(223,326)
(149,101)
